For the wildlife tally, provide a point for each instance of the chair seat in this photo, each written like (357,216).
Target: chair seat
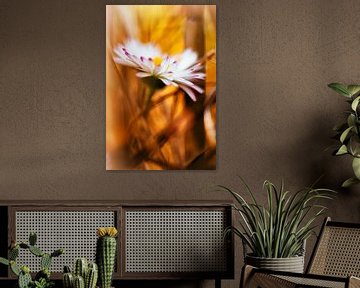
(315,282)
(263,278)
(335,262)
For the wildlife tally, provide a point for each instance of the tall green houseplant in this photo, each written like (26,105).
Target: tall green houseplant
(348,132)
(278,229)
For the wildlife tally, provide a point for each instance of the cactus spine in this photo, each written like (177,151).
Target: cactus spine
(106,254)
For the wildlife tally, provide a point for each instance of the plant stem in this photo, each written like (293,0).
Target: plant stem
(149,93)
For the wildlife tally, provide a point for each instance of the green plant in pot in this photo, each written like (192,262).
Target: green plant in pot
(42,278)
(84,274)
(106,254)
(275,233)
(348,132)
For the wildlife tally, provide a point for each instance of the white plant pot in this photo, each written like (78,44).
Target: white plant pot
(291,264)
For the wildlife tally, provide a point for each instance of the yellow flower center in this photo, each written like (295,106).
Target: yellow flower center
(157,60)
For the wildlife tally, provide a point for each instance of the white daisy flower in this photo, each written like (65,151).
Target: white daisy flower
(180,70)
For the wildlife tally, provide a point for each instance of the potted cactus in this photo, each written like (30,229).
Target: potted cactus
(106,254)
(42,278)
(84,275)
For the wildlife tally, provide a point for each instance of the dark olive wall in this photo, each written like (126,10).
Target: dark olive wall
(275,113)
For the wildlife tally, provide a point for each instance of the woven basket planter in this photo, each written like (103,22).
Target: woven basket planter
(291,264)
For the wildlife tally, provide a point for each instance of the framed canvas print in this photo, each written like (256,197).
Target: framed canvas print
(160,87)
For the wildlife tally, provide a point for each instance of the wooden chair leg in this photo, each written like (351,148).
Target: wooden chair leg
(246,273)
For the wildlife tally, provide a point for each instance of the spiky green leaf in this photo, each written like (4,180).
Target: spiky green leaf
(280,228)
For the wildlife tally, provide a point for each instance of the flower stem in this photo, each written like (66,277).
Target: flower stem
(149,93)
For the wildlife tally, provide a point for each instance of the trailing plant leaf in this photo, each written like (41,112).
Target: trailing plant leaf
(349,182)
(355,103)
(353,89)
(348,133)
(345,134)
(356,167)
(340,88)
(351,121)
(342,150)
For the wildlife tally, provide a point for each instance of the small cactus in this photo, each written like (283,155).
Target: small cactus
(67,269)
(106,254)
(79,282)
(42,278)
(80,268)
(88,273)
(91,276)
(68,280)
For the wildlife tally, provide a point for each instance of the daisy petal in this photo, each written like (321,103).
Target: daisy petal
(143,74)
(189,92)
